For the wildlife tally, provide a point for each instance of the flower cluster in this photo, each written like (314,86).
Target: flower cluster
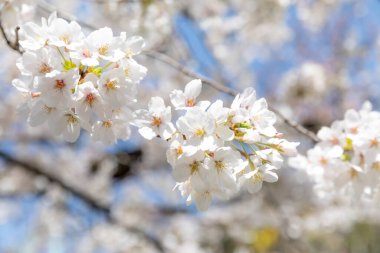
(73,81)
(347,159)
(215,150)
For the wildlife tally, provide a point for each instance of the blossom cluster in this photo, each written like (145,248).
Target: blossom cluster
(215,150)
(347,160)
(72,81)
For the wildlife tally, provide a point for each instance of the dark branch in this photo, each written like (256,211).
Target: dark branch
(218,86)
(15,45)
(89,199)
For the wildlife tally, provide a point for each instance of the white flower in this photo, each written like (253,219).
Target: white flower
(198,127)
(186,99)
(131,46)
(68,124)
(43,62)
(115,89)
(262,118)
(285,147)
(254,179)
(109,129)
(57,91)
(88,100)
(34,37)
(244,100)
(222,167)
(220,115)
(99,44)
(188,165)
(41,113)
(133,71)
(156,121)
(64,34)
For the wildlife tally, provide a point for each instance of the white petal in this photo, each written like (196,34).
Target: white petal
(193,89)
(147,133)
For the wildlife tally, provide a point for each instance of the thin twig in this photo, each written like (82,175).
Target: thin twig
(15,45)
(218,86)
(89,199)
(48,8)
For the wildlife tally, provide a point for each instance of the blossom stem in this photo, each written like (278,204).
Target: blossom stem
(106,66)
(63,57)
(251,164)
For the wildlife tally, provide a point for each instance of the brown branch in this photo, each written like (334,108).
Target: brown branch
(48,8)
(220,87)
(15,45)
(89,199)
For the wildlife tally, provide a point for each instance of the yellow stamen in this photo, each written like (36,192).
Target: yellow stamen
(323,161)
(103,49)
(190,102)
(374,143)
(71,119)
(194,167)
(156,121)
(219,165)
(44,68)
(179,151)
(107,124)
(200,132)
(111,85)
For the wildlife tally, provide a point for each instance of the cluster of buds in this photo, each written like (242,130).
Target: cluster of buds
(72,81)
(347,159)
(214,150)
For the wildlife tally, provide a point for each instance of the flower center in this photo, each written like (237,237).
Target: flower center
(45,68)
(107,124)
(111,85)
(128,53)
(353,173)
(190,102)
(90,98)
(66,38)
(103,49)
(258,177)
(376,166)
(126,72)
(60,84)
(323,161)
(71,119)
(219,165)
(200,132)
(194,167)
(334,141)
(374,143)
(156,121)
(354,130)
(179,151)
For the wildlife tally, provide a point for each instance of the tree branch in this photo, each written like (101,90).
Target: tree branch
(89,199)
(220,87)
(12,44)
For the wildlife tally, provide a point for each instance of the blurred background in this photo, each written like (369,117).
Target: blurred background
(311,59)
